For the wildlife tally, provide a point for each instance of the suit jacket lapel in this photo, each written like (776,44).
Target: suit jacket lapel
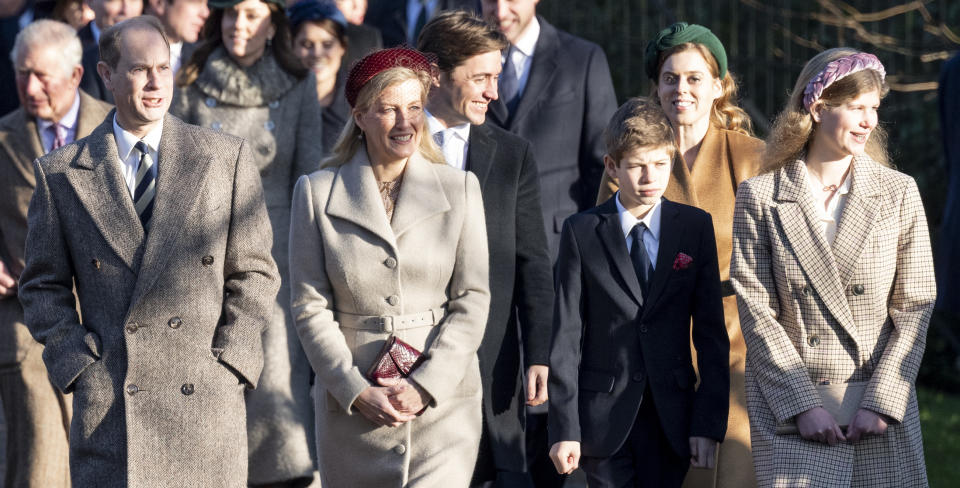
(180,174)
(799,220)
(858,217)
(669,246)
(541,71)
(421,195)
(611,235)
(354,196)
(100,187)
(481,152)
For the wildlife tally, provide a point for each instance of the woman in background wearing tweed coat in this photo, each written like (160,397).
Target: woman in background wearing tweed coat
(245,80)
(834,277)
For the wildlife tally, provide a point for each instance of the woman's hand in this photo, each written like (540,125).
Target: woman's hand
(405,396)
(375,405)
(818,425)
(865,422)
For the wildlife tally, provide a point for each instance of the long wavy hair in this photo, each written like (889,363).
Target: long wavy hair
(794,127)
(351,137)
(725,114)
(281,45)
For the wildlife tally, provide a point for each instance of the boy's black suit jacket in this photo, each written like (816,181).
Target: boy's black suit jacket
(610,343)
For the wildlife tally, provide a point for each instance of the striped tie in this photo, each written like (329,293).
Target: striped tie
(146,185)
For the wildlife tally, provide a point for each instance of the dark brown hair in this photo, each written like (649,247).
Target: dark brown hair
(335,29)
(282,46)
(639,123)
(458,35)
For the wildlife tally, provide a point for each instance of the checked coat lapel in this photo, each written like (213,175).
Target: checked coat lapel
(799,220)
(858,219)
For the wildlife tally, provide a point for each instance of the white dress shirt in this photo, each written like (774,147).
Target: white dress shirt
(522,54)
(176,48)
(456,141)
(129,156)
(67,126)
(651,236)
(830,213)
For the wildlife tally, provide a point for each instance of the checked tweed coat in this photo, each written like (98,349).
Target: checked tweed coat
(856,311)
(171,319)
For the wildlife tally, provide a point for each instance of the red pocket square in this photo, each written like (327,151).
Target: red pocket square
(682,261)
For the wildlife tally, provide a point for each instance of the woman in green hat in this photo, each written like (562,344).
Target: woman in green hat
(688,66)
(245,80)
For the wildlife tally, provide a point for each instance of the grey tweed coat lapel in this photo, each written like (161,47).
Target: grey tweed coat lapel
(859,216)
(180,176)
(799,219)
(100,186)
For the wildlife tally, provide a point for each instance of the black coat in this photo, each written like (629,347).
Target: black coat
(566,104)
(361,40)
(91,81)
(610,344)
(390,16)
(520,288)
(948,257)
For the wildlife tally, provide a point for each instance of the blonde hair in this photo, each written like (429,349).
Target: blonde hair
(351,140)
(725,112)
(794,127)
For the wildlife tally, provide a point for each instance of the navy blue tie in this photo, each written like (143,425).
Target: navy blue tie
(640,258)
(145,188)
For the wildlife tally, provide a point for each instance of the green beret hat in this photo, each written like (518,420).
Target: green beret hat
(230,3)
(681,33)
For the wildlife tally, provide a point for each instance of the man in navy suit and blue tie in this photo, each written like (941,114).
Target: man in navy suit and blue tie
(636,277)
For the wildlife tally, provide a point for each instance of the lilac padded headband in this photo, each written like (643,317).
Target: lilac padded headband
(837,69)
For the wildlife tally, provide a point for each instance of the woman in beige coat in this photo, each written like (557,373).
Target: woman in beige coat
(388,240)
(834,276)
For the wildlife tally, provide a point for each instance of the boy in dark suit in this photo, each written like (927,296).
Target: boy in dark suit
(636,278)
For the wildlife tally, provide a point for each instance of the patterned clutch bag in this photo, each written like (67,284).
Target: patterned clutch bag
(396,360)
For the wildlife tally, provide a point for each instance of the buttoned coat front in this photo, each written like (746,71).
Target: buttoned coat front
(172,319)
(812,313)
(349,262)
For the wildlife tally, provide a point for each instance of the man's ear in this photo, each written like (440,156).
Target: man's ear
(610,166)
(105,74)
(76,75)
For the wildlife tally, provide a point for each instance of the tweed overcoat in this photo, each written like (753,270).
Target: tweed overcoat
(280,117)
(172,319)
(348,262)
(854,311)
(726,159)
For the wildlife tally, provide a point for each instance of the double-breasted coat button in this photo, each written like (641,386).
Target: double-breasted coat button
(132,389)
(132,327)
(211,102)
(175,323)
(269,125)
(400,449)
(390,262)
(393,300)
(95,262)
(807,291)
(813,340)
(264,150)
(643,328)
(187,389)
(207,260)
(637,377)
(274,104)
(216,126)
(858,289)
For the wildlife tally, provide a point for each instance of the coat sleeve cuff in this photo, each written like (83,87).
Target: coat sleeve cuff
(66,360)
(242,352)
(348,389)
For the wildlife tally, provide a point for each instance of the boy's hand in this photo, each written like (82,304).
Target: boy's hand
(537,384)
(703,452)
(565,456)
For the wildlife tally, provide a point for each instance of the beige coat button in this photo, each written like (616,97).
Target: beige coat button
(390,262)
(132,389)
(400,449)
(175,323)
(393,300)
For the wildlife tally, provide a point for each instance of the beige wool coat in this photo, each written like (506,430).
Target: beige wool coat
(854,311)
(349,266)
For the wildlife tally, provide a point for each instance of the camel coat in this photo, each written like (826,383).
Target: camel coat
(726,159)
(280,117)
(812,312)
(350,266)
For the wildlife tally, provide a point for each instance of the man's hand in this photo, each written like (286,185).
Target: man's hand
(375,405)
(865,422)
(405,396)
(8,282)
(703,452)
(537,384)
(565,456)
(818,425)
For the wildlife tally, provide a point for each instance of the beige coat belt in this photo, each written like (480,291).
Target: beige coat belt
(391,323)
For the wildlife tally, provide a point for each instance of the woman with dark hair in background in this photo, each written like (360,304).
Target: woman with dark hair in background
(244,80)
(688,66)
(320,41)
(834,276)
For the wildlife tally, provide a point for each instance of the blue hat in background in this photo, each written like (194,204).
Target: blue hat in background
(314,10)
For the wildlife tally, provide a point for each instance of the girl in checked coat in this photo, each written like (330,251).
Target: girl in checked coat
(834,277)
(389,240)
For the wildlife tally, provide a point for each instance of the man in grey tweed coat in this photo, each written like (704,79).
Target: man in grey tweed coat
(162,228)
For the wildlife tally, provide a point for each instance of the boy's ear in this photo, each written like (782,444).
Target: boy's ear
(610,166)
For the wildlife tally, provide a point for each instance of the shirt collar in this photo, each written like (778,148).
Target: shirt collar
(69,119)
(176,48)
(527,40)
(126,141)
(434,125)
(651,219)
